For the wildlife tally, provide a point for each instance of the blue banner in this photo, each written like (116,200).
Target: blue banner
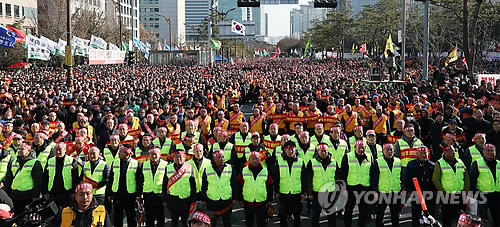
(7,37)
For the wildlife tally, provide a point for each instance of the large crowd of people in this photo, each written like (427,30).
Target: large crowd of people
(175,137)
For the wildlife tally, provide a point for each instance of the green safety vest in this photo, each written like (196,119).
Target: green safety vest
(227,150)
(404,145)
(165,149)
(130,176)
(380,152)
(198,173)
(315,141)
(181,147)
(290,181)
(154,183)
(4,164)
(277,153)
(247,156)
(254,189)
(474,153)
(389,180)
(452,181)
(322,176)
(485,181)
(337,154)
(12,152)
(295,139)
(219,188)
(196,136)
(352,143)
(238,141)
(96,175)
(138,152)
(22,179)
(66,172)
(306,156)
(108,155)
(44,155)
(358,174)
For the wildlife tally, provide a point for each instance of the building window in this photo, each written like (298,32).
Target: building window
(16,11)
(8,10)
(1,9)
(157,9)
(157,25)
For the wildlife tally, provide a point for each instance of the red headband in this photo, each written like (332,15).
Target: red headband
(83,185)
(218,153)
(61,145)
(26,146)
(162,129)
(478,135)
(388,145)
(79,138)
(489,146)
(304,133)
(449,136)
(201,217)
(335,128)
(126,149)
(423,149)
(318,125)
(322,147)
(360,142)
(449,148)
(254,154)
(114,137)
(359,127)
(154,150)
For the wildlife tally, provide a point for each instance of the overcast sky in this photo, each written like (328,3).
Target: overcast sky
(279,18)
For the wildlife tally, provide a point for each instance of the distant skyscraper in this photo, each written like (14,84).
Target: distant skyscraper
(196,12)
(126,13)
(154,16)
(301,19)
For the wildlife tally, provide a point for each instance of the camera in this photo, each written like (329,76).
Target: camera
(38,213)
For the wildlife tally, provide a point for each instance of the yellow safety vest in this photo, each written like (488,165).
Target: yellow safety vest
(66,172)
(154,183)
(254,189)
(322,176)
(96,175)
(290,180)
(4,164)
(130,176)
(227,150)
(485,181)
(22,178)
(219,188)
(452,181)
(198,173)
(389,181)
(182,188)
(358,174)
(98,216)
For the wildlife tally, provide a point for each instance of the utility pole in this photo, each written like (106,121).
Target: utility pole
(211,2)
(68,51)
(426,40)
(403,43)
(131,48)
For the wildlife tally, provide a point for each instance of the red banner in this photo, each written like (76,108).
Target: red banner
(409,153)
(240,149)
(392,139)
(277,116)
(329,119)
(68,102)
(271,144)
(141,159)
(135,133)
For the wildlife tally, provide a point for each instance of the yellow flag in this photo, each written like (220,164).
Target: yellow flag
(388,46)
(353,50)
(451,57)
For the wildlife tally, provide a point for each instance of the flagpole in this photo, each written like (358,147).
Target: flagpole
(69,64)
(403,43)
(211,2)
(426,40)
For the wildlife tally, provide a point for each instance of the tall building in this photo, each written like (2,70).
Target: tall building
(165,19)
(231,10)
(301,19)
(196,12)
(125,11)
(15,10)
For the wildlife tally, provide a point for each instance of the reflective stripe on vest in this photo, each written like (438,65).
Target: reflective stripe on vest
(227,150)
(315,141)
(44,155)
(23,180)
(108,156)
(96,175)
(485,181)
(352,143)
(322,176)
(290,181)
(219,188)
(358,174)
(238,141)
(389,180)
(165,149)
(129,177)
(277,153)
(337,154)
(154,183)
(254,189)
(196,136)
(66,172)
(306,156)
(452,181)
(404,145)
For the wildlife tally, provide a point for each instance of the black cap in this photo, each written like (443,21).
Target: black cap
(45,122)
(289,143)
(106,108)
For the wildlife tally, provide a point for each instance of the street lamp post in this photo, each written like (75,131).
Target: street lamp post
(169,21)
(119,5)
(69,64)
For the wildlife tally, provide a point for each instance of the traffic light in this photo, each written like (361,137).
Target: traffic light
(248,3)
(325,3)
(131,58)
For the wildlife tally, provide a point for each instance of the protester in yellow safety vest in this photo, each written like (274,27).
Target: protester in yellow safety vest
(290,181)
(219,188)
(6,160)
(312,112)
(125,186)
(321,171)
(485,177)
(96,171)
(257,121)
(60,177)
(358,135)
(186,144)
(220,121)
(191,128)
(24,179)
(405,148)
(110,151)
(386,179)
(474,152)
(272,140)
(355,171)
(451,178)
(123,133)
(295,112)
(228,148)
(199,163)
(319,135)
(205,121)
(337,146)
(14,146)
(42,148)
(144,146)
(256,191)
(235,117)
(380,123)
(154,171)
(84,210)
(350,119)
(305,149)
(163,142)
(278,151)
